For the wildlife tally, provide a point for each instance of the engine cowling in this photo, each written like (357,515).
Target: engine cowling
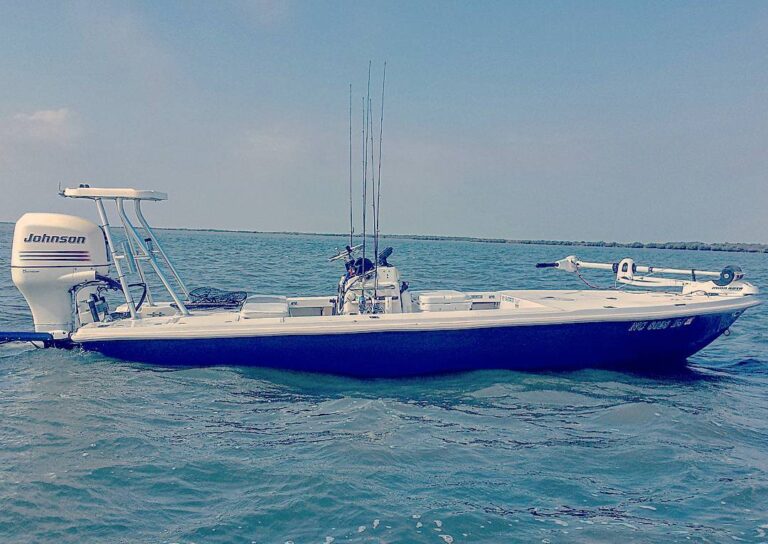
(53,254)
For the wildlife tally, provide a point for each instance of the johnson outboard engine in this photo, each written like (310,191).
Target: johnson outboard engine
(58,263)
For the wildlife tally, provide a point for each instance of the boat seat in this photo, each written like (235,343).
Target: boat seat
(260,306)
(443,301)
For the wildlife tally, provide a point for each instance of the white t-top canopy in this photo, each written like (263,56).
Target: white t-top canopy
(113,193)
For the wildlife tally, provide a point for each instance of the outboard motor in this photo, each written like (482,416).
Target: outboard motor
(55,262)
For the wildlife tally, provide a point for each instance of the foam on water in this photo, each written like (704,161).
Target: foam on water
(93,449)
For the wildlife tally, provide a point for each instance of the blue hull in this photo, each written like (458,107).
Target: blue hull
(647,345)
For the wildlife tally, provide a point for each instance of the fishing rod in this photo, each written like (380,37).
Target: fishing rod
(373,192)
(369,142)
(351,221)
(366,124)
(378,189)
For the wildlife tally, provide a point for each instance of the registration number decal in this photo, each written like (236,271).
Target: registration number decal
(661,325)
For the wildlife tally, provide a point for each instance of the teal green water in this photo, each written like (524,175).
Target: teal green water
(97,450)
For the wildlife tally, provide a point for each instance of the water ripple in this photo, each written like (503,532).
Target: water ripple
(93,449)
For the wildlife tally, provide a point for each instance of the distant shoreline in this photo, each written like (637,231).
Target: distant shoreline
(690,246)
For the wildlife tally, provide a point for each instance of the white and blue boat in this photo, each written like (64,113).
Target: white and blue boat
(374,325)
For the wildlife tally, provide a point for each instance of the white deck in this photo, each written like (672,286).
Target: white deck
(518,308)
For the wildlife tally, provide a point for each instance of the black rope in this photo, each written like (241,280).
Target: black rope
(143,293)
(582,278)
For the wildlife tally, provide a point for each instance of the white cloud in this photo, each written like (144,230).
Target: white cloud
(55,117)
(270,145)
(24,135)
(58,126)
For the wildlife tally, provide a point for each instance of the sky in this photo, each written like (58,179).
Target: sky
(617,121)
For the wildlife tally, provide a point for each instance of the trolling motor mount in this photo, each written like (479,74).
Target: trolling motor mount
(730,280)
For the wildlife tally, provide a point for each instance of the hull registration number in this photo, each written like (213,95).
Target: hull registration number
(661,325)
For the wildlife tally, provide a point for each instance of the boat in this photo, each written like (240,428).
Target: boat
(373,326)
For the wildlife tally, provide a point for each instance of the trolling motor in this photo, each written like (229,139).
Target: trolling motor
(729,281)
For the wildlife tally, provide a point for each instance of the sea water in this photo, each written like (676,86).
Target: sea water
(98,450)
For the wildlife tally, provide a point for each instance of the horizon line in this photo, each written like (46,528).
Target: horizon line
(741,247)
